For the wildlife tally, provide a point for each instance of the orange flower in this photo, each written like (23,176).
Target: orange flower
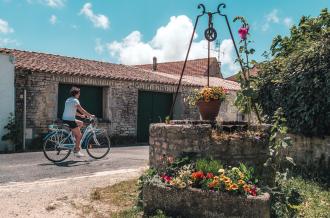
(227,180)
(234,187)
(213,184)
(198,175)
(241,182)
(246,188)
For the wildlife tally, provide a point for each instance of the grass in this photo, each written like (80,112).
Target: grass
(316,197)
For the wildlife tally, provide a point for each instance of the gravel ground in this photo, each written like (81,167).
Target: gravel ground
(64,197)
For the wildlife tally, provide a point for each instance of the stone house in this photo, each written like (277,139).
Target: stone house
(126,99)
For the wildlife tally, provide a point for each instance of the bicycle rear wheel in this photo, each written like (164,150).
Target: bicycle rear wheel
(98,145)
(53,146)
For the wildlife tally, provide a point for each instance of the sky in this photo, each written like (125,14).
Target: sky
(133,32)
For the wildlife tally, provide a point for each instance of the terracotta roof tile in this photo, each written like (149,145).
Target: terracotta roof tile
(193,67)
(56,64)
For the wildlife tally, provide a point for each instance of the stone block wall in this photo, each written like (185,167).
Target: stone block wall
(120,101)
(311,152)
(175,140)
(197,203)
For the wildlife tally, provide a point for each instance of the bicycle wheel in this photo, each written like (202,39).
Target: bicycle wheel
(53,147)
(98,145)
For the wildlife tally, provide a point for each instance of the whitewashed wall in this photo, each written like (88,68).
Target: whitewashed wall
(7,96)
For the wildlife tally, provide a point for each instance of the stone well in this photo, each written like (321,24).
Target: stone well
(196,203)
(231,145)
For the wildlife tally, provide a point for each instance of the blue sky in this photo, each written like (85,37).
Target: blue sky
(132,32)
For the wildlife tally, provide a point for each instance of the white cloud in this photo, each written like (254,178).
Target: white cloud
(169,44)
(227,57)
(4,27)
(272,17)
(55,3)
(53,19)
(99,48)
(99,20)
(288,21)
(50,3)
(6,42)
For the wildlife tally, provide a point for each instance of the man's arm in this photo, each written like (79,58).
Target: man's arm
(83,111)
(80,115)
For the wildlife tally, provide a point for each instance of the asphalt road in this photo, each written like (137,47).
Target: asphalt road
(33,166)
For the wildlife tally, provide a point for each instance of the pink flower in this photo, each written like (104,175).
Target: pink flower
(166,178)
(243,31)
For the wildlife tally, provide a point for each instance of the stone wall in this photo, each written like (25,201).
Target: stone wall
(173,140)
(120,101)
(198,203)
(311,152)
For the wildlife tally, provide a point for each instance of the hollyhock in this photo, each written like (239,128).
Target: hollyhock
(243,32)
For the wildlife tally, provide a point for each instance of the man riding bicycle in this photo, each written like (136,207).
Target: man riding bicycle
(72,109)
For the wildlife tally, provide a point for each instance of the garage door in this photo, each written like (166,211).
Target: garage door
(153,107)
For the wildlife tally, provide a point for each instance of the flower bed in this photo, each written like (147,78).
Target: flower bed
(181,183)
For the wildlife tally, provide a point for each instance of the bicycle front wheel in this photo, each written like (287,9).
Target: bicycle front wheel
(53,147)
(98,145)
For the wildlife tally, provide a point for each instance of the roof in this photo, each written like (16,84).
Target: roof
(202,81)
(193,67)
(62,65)
(253,72)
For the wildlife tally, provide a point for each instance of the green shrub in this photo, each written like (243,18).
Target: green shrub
(208,166)
(297,78)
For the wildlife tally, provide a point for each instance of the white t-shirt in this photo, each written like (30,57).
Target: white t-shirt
(70,109)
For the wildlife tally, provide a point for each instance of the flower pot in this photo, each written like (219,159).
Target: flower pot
(209,110)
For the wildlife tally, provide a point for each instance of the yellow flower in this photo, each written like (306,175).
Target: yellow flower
(221,171)
(241,175)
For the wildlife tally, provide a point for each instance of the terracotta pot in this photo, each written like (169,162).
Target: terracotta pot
(209,110)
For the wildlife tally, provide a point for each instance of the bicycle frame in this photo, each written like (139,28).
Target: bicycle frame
(90,129)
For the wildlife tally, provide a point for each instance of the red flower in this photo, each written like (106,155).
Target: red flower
(209,175)
(253,191)
(198,175)
(166,178)
(243,32)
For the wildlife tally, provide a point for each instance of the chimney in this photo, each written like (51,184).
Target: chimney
(154,63)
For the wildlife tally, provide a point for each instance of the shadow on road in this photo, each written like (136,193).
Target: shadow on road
(69,163)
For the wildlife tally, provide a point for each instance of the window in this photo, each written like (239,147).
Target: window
(91,98)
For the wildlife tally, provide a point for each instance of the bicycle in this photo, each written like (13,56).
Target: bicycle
(59,142)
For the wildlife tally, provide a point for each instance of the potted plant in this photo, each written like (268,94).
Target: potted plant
(167,119)
(208,101)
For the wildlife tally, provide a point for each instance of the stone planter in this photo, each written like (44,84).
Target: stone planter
(209,110)
(197,203)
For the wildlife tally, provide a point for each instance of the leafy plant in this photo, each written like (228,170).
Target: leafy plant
(14,131)
(211,166)
(296,77)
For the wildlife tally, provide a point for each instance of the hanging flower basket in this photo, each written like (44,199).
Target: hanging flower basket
(208,101)
(209,110)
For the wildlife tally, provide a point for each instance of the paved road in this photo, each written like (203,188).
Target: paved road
(29,167)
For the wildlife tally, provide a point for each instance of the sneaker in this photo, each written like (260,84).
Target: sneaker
(79,154)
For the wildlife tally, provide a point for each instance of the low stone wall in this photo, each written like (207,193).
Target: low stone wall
(311,152)
(197,203)
(174,140)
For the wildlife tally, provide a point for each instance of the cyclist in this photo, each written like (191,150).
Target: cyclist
(71,109)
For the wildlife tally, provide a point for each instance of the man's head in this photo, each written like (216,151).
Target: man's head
(75,92)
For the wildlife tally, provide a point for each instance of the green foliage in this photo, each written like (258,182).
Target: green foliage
(208,166)
(278,142)
(297,78)
(296,197)
(14,131)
